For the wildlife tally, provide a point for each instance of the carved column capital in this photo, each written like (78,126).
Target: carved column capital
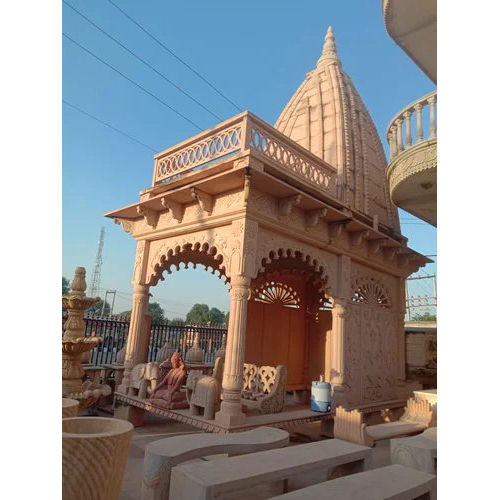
(240,281)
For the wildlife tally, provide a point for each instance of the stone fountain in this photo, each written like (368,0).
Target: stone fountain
(74,344)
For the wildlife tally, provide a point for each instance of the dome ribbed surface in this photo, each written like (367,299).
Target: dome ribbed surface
(327,116)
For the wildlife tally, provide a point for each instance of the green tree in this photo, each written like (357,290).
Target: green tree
(97,308)
(227,318)
(199,313)
(156,312)
(65,286)
(427,316)
(178,321)
(154,309)
(216,316)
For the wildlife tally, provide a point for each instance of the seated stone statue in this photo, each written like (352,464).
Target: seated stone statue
(167,393)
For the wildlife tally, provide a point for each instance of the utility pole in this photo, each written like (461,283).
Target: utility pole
(110,292)
(95,282)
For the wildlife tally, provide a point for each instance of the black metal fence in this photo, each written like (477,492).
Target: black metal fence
(114,330)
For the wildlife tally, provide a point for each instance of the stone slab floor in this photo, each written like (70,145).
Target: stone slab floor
(158,428)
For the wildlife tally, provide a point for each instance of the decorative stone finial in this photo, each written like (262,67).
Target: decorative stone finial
(78,285)
(329,52)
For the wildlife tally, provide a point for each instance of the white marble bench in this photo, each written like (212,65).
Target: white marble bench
(160,456)
(418,452)
(213,479)
(393,481)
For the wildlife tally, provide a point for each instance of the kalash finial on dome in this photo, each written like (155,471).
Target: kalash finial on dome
(329,52)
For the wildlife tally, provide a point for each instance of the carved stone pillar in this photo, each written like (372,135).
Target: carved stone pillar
(135,339)
(338,352)
(232,382)
(400,329)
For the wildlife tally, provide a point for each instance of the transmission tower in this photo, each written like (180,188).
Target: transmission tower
(95,283)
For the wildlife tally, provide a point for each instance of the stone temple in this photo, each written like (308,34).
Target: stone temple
(297,219)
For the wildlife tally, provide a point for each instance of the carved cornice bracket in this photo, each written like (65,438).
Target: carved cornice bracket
(176,209)
(205,200)
(127,225)
(150,216)
(335,229)
(246,187)
(357,237)
(313,216)
(285,205)
(390,253)
(376,246)
(403,260)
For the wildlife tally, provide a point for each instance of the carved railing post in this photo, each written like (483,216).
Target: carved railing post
(432,116)
(407,116)
(399,141)
(135,340)
(232,381)
(420,131)
(393,142)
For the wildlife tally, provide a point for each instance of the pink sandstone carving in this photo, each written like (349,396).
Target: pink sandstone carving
(304,204)
(167,393)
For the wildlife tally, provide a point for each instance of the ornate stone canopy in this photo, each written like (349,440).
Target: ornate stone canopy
(292,221)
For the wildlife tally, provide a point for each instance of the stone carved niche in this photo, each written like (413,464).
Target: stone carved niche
(372,348)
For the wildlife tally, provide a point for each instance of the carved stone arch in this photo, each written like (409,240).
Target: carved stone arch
(297,261)
(370,292)
(176,254)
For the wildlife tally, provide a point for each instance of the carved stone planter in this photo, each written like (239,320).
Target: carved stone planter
(69,407)
(95,452)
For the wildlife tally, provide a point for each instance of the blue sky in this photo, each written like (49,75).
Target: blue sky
(257,54)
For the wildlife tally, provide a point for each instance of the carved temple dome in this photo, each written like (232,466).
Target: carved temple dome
(327,116)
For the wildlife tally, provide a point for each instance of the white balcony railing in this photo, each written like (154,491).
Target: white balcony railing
(400,133)
(244,133)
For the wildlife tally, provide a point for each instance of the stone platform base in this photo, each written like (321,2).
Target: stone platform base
(294,415)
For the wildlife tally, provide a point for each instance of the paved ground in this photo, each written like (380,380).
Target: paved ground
(157,428)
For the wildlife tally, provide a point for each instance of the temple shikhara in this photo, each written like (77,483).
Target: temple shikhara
(298,220)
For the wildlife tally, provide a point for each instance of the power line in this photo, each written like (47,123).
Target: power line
(132,81)
(143,61)
(171,52)
(108,125)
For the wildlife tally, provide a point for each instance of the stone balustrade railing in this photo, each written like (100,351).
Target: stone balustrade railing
(400,133)
(241,134)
